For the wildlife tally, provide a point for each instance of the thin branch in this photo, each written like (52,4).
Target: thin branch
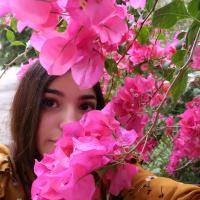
(145,143)
(142,24)
(128,48)
(181,71)
(182,167)
(112,82)
(7,66)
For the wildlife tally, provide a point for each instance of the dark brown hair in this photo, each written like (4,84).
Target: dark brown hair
(25,114)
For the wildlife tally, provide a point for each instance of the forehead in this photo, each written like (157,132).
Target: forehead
(68,86)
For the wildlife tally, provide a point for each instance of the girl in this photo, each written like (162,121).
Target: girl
(41,106)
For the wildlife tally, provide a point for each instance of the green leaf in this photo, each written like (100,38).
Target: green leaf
(192,33)
(181,35)
(168,73)
(13,24)
(17,43)
(119,2)
(178,58)
(161,36)
(143,36)
(10,36)
(168,15)
(62,27)
(122,49)
(180,86)
(111,66)
(180,44)
(149,4)
(134,12)
(194,8)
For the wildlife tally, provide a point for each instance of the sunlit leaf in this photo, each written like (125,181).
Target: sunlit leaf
(10,35)
(180,86)
(168,15)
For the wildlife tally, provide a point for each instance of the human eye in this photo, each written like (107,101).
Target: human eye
(87,106)
(48,103)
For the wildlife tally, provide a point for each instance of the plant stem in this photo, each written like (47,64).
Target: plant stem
(7,66)
(128,48)
(181,71)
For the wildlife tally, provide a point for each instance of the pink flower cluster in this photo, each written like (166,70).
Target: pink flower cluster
(94,143)
(187,141)
(196,58)
(130,103)
(91,27)
(169,125)
(131,100)
(145,55)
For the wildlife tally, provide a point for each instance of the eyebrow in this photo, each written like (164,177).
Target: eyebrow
(59,93)
(88,96)
(53,91)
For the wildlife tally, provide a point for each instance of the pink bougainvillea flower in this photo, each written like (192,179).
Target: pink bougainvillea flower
(56,161)
(111,30)
(89,64)
(109,24)
(145,149)
(20,26)
(174,161)
(79,53)
(195,103)
(130,101)
(88,13)
(138,3)
(35,11)
(4,7)
(65,185)
(138,53)
(62,3)
(25,67)
(169,123)
(36,14)
(186,144)
(38,39)
(88,156)
(58,55)
(88,71)
(85,146)
(84,188)
(100,124)
(125,137)
(196,58)
(121,178)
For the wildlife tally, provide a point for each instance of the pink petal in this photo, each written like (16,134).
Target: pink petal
(138,3)
(4,7)
(112,30)
(20,26)
(88,71)
(122,177)
(31,11)
(57,55)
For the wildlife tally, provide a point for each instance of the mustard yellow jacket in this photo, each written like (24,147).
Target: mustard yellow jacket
(145,185)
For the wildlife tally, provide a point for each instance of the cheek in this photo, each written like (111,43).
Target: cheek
(47,130)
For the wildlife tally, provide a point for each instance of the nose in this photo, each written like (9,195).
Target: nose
(70,114)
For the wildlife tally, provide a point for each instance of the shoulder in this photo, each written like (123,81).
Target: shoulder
(10,187)
(4,168)
(147,186)
(4,158)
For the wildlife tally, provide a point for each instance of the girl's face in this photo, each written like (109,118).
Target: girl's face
(63,102)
